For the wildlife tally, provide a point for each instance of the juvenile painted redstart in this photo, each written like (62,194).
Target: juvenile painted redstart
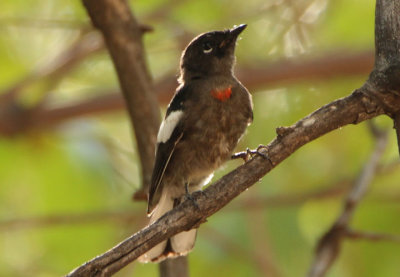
(204,121)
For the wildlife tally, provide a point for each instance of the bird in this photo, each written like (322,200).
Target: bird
(204,121)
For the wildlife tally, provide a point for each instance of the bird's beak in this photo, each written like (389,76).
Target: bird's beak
(232,35)
(235,31)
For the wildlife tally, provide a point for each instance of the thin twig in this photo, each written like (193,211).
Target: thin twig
(262,254)
(70,219)
(234,248)
(47,116)
(88,43)
(328,247)
(352,234)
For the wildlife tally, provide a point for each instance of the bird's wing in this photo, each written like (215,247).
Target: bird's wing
(170,133)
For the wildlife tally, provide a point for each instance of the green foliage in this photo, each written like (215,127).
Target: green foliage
(88,165)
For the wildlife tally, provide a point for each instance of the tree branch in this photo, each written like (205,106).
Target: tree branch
(329,245)
(369,101)
(334,64)
(397,128)
(387,58)
(387,34)
(123,37)
(70,219)
(15,118)
(383,86)
(174,267)
(349,110)
(352,234)
(87,44)
(233,248)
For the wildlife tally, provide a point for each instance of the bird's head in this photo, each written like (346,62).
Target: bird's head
(210,54)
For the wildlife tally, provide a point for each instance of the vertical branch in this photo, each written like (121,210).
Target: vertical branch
(177,267)
(387,33)
(123,37)
(385,76)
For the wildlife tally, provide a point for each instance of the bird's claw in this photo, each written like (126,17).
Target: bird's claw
(252,153)
(190,197)
(249,154)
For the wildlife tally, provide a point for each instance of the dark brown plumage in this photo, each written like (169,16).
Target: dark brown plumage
(204,122)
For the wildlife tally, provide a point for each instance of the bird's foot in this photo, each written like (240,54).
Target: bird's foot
(252,153)
(189,196)
(249,154)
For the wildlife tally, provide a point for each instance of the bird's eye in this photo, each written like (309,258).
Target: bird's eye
(207,48)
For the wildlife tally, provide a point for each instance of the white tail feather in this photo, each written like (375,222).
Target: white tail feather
(164,205)
(183,242)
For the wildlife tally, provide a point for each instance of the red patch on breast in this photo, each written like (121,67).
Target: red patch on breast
(223,94)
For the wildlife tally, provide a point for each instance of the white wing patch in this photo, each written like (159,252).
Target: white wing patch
(168,126)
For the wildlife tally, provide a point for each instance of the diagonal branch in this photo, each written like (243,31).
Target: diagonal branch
(86,44)
(349,110)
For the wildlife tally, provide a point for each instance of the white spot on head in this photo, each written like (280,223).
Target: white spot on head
(168,126)
(308,122)
(333,108)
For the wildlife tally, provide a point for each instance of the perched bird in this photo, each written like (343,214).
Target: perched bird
(206,118)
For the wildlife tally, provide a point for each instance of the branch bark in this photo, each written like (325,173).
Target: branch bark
(177,267)
(349,110)
(397,128)
(123,37)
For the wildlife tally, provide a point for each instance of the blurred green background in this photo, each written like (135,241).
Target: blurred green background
(66,188)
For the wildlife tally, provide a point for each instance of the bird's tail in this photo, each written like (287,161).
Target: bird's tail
(178,245)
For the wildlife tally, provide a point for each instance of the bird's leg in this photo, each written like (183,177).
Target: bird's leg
(189,196)
(248,154)
(264,155)
(241,155)
(245,155)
